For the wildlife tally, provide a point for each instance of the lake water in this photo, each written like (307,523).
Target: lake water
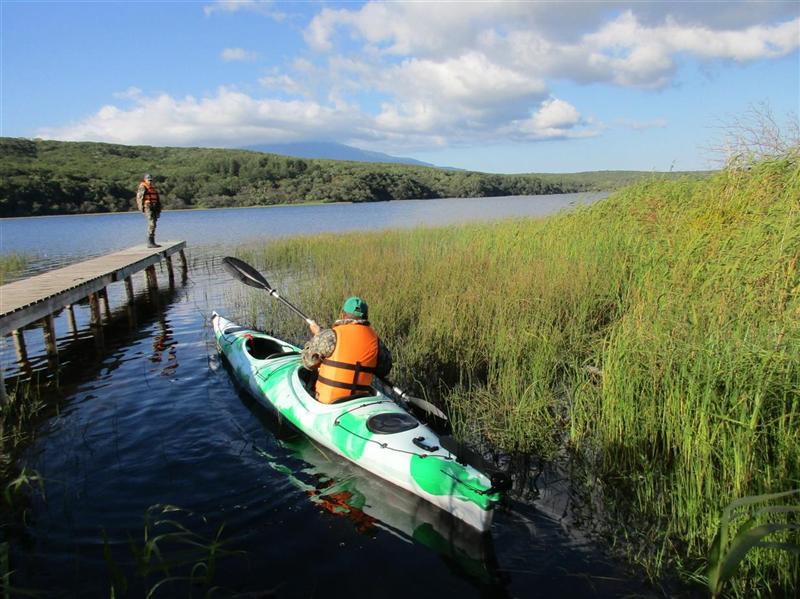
(148,416)
(56,240)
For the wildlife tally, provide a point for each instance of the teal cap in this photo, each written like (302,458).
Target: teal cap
(356,306)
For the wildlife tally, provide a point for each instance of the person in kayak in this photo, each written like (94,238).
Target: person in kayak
(347,355)
(147,201)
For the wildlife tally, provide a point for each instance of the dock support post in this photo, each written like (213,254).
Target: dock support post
(94,309)
(19,346)
(129,290)
(49,336)
(3,399)
(3,396)
(96,322)
(170,272)
(152,279)
(131,310)
(103,293)
(184,267)
(73,327)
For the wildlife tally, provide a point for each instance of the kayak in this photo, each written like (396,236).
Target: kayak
(376,432)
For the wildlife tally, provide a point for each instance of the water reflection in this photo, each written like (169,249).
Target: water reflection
(163,342)
(85,343)
(343,490)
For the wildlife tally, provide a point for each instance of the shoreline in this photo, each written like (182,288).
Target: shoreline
(5,218)
(543,195)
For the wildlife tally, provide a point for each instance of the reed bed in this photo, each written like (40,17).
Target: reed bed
(656,333)
(18,417)
(11,265)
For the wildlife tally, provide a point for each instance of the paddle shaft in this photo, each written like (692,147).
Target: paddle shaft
(289,305)
(248,275)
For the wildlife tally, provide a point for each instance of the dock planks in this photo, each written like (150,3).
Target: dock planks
(32,299)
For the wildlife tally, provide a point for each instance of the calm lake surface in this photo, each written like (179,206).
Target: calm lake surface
(56,240)
(147,416)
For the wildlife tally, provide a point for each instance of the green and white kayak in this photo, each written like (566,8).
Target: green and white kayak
(374,432)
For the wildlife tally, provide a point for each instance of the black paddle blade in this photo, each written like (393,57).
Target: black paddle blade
(245,273)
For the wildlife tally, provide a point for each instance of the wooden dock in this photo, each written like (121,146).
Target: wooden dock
(38,298)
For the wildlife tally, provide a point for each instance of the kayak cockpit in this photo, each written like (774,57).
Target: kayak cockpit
(265,348)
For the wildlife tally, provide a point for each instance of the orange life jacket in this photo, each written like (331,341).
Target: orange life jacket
(150,195)
(348,370)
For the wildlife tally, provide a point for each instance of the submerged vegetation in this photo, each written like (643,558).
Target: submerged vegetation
(655,334)
(171,556)
(55,177)
(18,414)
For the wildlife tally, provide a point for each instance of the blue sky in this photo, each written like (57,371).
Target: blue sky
(491,86)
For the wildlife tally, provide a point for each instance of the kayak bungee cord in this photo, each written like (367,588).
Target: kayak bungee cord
(264,378)
(447,458)
(337,422)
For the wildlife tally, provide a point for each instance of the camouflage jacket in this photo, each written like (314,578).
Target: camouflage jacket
(321,346)
(140,193)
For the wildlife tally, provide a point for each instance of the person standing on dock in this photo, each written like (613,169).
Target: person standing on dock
(148,202)
(346,355)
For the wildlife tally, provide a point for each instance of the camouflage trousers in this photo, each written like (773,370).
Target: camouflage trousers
(152,216)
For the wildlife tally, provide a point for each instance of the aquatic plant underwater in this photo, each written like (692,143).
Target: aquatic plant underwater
(171,556)
(655,334)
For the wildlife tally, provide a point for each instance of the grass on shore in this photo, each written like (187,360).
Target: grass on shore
(11,265)
(656,333)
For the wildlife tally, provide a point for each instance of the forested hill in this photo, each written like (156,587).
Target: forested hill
(53,177)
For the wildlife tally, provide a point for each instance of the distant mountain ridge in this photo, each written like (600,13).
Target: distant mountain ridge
(333,151)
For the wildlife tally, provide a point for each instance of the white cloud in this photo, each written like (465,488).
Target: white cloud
(237,54)
(264,7)
(555,119)
(468,88)
(597,44)
(628,53)
(233,118)
(476,72)
(229,118)
(556,113)
(413,75)
(420,28)
(470,80)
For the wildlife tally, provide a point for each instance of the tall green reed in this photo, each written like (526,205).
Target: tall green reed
(728,550)
(18,416)
(657,332)
(11,265)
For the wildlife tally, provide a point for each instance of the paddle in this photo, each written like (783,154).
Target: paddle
(426,406)
(244,273)
(248,275)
